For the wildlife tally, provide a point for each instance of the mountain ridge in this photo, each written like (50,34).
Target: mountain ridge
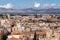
(31,11)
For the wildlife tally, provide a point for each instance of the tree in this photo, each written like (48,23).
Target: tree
(34,36)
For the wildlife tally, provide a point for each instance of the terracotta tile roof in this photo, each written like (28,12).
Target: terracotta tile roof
(27,33)
(12,39)
(40,33)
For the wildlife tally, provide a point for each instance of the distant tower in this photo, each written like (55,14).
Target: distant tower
(8,16)
(36,5)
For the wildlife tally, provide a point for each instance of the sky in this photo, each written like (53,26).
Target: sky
(20,4)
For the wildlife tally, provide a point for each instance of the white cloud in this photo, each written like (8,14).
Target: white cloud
(53,5)
(37,5)
(46,5)
(6,6)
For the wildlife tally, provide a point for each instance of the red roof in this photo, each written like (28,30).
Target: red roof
(12,39)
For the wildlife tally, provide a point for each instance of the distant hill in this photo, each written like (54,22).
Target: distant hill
(28,11)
